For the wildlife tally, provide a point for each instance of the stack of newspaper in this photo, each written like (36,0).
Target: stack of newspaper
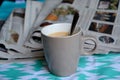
(14,31)
(100,27)
(20,36)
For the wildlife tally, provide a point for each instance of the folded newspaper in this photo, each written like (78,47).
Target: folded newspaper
(100,27)
(12,32)
(20,35)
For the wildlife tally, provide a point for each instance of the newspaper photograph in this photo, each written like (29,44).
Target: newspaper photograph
(13,28)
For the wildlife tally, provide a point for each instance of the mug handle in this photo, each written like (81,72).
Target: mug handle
(89,45)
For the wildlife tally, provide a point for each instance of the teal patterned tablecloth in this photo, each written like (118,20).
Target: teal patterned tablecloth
(96,67)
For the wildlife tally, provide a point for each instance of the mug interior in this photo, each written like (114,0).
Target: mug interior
(61,27)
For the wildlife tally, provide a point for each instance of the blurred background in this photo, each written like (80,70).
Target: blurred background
(6,6)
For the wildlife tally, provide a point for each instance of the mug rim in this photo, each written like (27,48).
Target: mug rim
(69,36)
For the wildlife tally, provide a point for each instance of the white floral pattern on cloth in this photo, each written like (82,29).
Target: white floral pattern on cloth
(96,67)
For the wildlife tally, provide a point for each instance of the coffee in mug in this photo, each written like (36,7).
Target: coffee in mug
(59,34)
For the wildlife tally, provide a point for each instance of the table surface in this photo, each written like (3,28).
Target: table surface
(94,67)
